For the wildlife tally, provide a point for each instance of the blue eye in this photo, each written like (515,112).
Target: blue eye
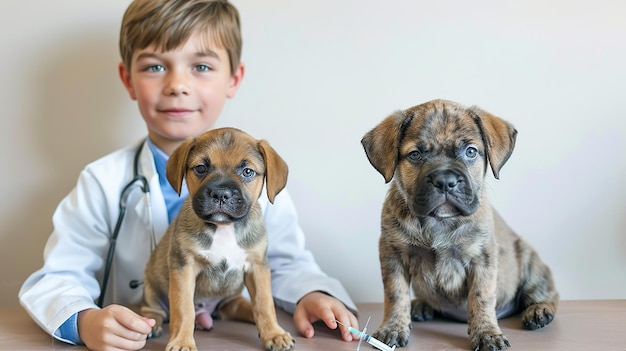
(414,155)
(155,68)
(248,173)
(203,68)
(471,152)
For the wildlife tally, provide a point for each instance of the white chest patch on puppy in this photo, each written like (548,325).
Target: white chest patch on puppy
(224,247)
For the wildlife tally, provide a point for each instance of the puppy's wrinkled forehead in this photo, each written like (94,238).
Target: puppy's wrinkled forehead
(226,150)
(440,125)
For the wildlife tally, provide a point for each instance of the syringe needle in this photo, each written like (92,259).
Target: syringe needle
(368,338)
(341,323)
(351,329)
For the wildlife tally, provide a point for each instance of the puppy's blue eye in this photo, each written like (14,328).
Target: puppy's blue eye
(248,173)
(200,169)
(414,155)
(471,152)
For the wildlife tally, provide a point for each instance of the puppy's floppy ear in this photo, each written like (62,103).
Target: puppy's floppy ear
(381,144)
(499,138)
(276,170)
(177,164)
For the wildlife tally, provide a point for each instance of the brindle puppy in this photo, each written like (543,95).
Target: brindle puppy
(441,235)
(217,243)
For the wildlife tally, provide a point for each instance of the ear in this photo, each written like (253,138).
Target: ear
(177,164)
(126,80)
(381,144)
(235,81)
(276,170)
(499,138)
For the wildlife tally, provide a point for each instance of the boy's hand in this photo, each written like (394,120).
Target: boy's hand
(114,327)
(317,306)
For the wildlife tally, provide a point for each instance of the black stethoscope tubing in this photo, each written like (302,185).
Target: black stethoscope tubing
(143,182)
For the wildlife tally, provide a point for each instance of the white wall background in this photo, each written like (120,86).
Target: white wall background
(319,75)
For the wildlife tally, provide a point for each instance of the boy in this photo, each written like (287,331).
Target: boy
(180,62)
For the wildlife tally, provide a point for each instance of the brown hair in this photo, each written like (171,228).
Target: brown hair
(168,24)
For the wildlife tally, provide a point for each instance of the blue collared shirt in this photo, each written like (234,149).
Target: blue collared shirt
(173,201)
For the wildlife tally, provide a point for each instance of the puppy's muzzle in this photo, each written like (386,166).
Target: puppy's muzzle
(446,192)
(221,202)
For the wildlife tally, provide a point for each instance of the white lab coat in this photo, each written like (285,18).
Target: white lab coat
(83,222)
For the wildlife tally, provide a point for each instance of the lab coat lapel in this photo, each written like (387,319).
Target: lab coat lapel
(159,211)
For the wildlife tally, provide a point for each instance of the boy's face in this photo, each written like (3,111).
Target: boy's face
(180,93)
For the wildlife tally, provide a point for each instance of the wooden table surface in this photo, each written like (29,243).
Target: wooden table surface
(578,325)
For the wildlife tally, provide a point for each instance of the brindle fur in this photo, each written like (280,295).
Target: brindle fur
(440,235)
(178,275)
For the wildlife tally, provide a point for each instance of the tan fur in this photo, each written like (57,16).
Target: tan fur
(440,235)
(186,269)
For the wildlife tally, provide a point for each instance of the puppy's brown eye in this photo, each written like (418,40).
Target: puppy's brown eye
(471,152)
(200,170)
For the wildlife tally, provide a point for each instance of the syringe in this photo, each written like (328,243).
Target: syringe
(368,338)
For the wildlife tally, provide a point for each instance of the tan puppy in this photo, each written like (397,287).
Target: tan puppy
(441,235)
(218,241)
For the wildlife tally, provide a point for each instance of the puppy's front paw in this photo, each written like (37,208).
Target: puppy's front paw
(393,334)
(421,311)
(181,346)
(489,342)
(537,316)
(279,342)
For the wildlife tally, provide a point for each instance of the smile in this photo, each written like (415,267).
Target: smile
(176,112)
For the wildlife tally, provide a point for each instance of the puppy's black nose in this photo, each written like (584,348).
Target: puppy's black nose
(445,181)
(221,194)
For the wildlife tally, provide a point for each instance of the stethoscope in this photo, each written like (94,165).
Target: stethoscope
(142,182)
